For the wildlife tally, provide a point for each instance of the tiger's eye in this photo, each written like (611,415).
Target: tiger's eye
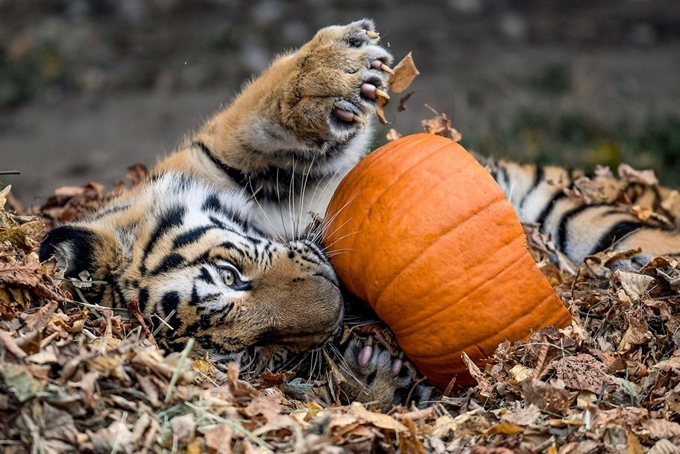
(229,277)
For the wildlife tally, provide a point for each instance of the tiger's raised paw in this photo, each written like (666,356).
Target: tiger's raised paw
(340,75)
(374,375)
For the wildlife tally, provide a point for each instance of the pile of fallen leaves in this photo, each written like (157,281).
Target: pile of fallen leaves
(77,377)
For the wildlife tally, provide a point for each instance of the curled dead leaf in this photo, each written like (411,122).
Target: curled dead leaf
(630,175)
(404,73)
(441,125)
(378,420)
(392,134)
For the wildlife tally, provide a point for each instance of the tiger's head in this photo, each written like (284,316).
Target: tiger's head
(191,257)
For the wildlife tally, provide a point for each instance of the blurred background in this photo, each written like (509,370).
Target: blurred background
(88,87)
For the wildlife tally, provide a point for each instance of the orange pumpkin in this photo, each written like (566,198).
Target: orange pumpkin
(422,232)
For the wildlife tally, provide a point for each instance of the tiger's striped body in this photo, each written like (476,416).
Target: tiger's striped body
(584,215)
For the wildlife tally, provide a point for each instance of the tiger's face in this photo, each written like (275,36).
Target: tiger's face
(190,256)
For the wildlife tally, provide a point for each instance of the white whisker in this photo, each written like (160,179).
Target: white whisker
(264,213)
(305,180)
(337,213)
(328,246)
(338,252)
(291,200)
(348,370)
(278,198)
(327,188)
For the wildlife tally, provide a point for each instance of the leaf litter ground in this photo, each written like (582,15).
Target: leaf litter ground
(80,377)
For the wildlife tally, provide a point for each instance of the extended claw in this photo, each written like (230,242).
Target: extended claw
(381,93)
(377,64)
(358,119)
(386,68)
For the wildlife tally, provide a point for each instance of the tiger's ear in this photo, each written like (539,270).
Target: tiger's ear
(79,248)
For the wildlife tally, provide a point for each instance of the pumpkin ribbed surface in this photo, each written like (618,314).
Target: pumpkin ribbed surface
(423,233)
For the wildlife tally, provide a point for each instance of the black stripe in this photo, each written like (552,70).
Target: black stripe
(562,229)
(538,177)
(632,192)
(206,342)
(614,234)
(170,302)
(195,299)
(143,299)
(205,321)
(171,262)
(110,210)
(237,175)
(172,218)
(192,236)
(81,242)
(218,222)
(222,321)
(212,203)
(205,276)
(547,210)
(656,206)
(118,295)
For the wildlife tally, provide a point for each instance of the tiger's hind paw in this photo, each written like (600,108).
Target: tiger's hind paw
(374,375)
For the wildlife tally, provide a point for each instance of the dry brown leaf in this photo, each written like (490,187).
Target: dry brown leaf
(183,428)
(505,428)
(664,446)
(268,406)
(637,333)
(441,125)
(673,400)
(378,420)
(379,110)
(634,284)
(73,323)
(30,341)
(416,415)
(523,417)
(661,428)
(485,387)
(39,319)
(58,424)
(26,273)
(630,175)
(218,439)
(269,379)
(69,191)
(136,174)
(402,102)
(392,135)
(46,356)
(404,73)
(117,434)
(11,346)
(478,449)
(583,372)
(136,314)
(545,396)
(643,213)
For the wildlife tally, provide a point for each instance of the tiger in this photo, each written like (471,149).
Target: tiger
(221,243)
(213,245)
